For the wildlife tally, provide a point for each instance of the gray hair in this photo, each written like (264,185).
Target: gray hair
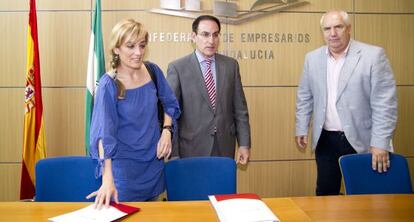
(343,14)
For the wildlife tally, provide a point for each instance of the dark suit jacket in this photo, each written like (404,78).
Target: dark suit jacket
(198,121)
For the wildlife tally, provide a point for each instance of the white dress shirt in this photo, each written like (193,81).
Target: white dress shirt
(334,68)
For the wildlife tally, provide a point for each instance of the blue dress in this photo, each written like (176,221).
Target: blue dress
(129,131)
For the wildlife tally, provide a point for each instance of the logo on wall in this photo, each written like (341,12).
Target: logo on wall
(227,12)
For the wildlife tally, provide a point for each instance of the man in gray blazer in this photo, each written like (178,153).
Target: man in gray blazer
(350,89)
(211,97)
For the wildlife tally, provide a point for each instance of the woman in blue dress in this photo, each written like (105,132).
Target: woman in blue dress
(125,132)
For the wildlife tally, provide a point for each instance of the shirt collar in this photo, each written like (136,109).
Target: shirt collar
(343,54)
(201,58)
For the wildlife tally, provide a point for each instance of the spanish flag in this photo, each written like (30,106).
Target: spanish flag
(33,132)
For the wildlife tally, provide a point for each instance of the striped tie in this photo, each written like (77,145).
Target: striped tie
(210,85)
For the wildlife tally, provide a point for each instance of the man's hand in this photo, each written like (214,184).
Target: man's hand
(302,141)
(380,159)
(243,154)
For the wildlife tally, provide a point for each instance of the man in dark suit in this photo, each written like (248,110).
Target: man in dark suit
(210,92)
(349,88)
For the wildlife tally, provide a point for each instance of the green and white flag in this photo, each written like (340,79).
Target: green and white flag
(96,68)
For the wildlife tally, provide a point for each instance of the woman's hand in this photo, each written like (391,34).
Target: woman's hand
(107,189)
(164,144)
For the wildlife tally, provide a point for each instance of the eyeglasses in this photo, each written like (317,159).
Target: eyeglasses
(207,35)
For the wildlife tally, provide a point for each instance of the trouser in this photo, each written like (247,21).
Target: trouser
(215,150)
(331,146)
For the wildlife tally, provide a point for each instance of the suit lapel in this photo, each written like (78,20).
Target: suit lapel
(220,79)
(351,61)
(324,75)
(196,69)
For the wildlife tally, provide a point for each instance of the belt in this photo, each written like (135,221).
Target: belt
(333,132)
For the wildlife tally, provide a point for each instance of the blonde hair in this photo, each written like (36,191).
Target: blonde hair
(122,31)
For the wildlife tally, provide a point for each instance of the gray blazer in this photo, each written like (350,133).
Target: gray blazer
(198,122)
(366,100)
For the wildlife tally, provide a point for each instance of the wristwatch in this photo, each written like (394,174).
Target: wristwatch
(169,128)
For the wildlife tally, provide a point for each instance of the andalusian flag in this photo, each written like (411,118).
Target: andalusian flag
(96,68)
(34,137)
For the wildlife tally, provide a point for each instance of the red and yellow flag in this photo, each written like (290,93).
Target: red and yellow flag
(33,132)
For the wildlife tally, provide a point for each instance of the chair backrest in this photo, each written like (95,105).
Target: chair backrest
(66,179)
(197,177)
(360,178)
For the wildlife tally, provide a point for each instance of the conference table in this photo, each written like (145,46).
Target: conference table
(329,208)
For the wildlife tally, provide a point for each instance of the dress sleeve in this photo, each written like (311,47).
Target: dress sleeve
(104,124)
(167,97)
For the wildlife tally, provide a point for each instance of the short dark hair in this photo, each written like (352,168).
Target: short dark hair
(205,17)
